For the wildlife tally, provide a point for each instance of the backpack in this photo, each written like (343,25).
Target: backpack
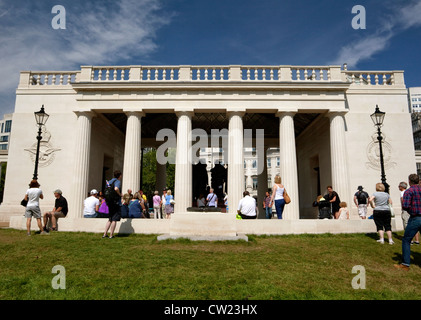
(110,195)
(362,197)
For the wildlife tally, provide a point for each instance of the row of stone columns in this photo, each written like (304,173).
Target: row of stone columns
(183,172)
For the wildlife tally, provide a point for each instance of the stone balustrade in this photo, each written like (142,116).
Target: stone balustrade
(46,78)
(233,73)
(374,78)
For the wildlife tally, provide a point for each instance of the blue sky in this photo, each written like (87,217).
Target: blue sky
(207,32)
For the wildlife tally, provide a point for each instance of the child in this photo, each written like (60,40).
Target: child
(343,211)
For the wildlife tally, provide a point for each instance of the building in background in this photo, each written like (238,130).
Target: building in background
(414,98)
(5,130)
(414,95)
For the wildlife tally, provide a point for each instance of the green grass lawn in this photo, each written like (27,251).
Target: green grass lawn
(140,267)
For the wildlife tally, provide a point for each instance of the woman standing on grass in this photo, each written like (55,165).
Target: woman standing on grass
(33,194)
(278,195)
(380,201)
(169,207)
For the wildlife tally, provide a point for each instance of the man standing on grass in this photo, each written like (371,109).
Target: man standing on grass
(411,203)
(114,205)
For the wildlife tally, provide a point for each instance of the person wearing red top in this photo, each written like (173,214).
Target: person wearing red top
(411,202)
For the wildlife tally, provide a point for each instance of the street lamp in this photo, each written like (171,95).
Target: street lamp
(378,118)
(41,118)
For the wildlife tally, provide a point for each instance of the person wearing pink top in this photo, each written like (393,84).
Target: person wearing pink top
(157,205)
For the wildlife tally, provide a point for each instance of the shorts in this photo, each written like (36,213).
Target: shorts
(405,218)
(33,212)
(382,219)
(362,210)
(115,213)
(57,214)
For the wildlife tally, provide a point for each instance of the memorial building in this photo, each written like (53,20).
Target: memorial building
(317,117)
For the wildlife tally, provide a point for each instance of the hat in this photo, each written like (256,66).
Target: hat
(58,191)
(360,188)
(94,191)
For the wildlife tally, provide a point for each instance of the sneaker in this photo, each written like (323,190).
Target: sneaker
(44,233)
(415,242)
(381,241)
(105,236)
(391,242)
(402,267)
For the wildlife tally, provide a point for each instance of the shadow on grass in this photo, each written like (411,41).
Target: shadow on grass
(375,236)
(415,258)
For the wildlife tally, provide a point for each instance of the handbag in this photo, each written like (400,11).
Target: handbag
(24,202)
(392,212)
(286,197)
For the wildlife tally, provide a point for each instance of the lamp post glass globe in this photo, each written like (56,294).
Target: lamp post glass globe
(378,117)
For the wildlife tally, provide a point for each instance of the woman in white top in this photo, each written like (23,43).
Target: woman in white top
(33,194)
(278,195)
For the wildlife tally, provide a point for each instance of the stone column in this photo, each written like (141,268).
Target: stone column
(288,163)
(132,152)
(262,185)
(339,158)
(183,163)
(161,177)
(235,159)
(81,163)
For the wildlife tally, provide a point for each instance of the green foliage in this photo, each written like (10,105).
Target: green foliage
(149,173)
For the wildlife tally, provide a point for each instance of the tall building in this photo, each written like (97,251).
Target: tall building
(414,95)
(5,129)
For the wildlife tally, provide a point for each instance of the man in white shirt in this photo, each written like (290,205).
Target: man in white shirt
(91,205)
(212,199)
(247,207)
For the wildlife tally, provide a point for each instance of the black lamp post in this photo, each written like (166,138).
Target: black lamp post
(41,118)
(378,118)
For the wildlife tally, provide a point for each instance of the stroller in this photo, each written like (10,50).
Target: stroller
(325,208)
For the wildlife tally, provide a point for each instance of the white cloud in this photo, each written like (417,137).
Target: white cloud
(366,47)
(97,32)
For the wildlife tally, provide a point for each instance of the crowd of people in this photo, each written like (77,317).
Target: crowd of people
(136,205)
(129,205)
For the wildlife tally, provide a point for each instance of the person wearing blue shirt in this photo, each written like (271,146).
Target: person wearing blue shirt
(114,210)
